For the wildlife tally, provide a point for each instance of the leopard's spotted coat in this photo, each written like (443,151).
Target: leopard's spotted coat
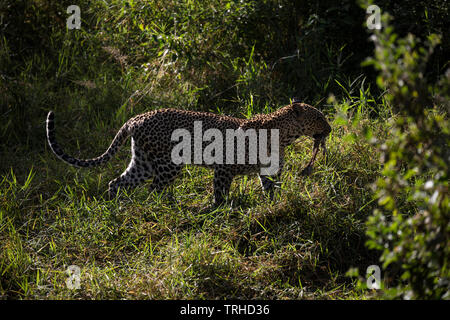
(151,144)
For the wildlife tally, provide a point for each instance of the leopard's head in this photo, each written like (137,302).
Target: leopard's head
(309,121)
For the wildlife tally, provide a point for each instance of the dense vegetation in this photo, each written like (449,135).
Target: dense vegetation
(381,197)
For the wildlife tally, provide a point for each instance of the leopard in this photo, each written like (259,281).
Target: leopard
(152,144)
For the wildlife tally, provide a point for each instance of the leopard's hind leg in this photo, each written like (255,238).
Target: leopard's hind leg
(139,170)
(222,183)
(165,173)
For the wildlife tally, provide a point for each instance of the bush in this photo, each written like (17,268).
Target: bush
(415,158)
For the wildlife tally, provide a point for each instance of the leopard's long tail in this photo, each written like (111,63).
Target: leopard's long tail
(119,139)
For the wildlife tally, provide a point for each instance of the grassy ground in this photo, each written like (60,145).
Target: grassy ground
(133,56)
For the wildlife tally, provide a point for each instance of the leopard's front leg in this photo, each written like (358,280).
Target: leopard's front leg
(222,184)
(270,183)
